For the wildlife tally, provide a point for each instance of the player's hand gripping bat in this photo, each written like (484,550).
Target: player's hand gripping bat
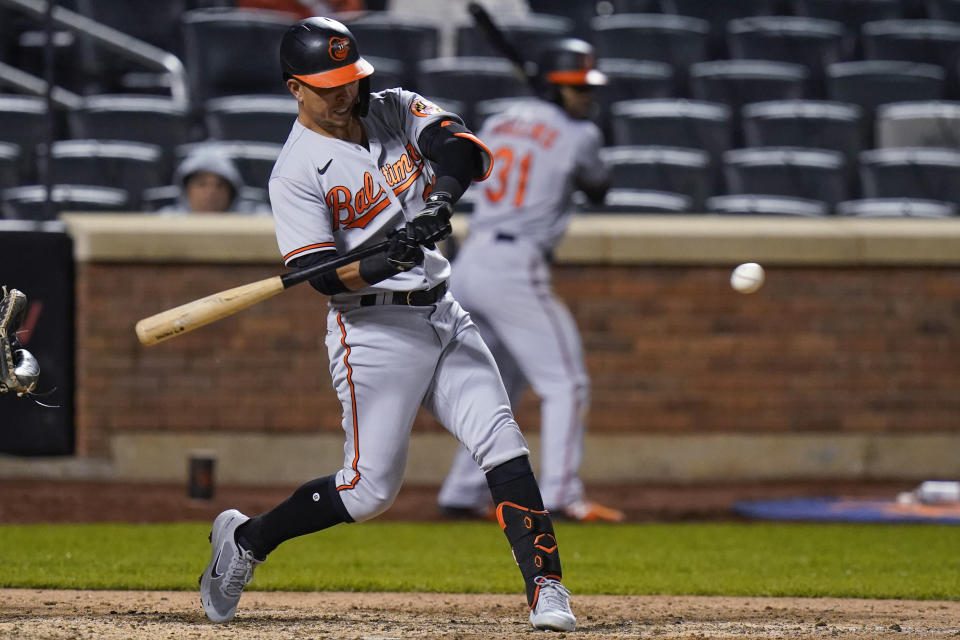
(523,68)
(198,313)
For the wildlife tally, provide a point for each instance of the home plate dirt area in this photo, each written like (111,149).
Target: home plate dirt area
(32,614)
(88,615)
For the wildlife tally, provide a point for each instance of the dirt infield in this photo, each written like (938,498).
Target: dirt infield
(112,615)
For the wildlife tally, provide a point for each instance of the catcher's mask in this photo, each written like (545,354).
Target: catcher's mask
(569,61)
(322,52)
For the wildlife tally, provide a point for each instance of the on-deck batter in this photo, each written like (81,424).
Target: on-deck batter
(544,150)
(353,172)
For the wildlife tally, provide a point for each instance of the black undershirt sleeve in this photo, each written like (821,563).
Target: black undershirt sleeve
(327,283)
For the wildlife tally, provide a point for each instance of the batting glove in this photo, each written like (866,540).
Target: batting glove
(403,253)
(432,224)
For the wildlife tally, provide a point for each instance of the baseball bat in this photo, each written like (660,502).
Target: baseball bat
(187,317)
(496,37)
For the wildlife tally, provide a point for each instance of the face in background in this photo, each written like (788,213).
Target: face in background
(577,100)
(207,192)
(326,111)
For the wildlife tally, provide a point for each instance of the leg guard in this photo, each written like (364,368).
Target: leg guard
(530,533)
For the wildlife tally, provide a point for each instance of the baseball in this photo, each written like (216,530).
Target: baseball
(747,278)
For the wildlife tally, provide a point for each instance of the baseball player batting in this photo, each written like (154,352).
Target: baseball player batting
(543,150)
(354,171)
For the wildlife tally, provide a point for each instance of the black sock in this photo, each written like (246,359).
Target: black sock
(314,506)
(513,481)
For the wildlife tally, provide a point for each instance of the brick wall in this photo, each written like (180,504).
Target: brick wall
(669,349)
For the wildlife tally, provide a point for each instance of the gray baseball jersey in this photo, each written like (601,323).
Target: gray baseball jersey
(328,193)
(539,151)
(502,278)
(388,360)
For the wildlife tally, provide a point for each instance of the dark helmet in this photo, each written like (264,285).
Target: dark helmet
(322,52)
(569,61)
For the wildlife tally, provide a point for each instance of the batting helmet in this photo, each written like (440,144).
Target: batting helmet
(568,61)
(322,52)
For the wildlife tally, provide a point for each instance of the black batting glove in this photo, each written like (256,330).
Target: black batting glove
(403,252)
(432,224)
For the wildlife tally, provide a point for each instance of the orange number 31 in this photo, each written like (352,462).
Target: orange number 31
(503,160)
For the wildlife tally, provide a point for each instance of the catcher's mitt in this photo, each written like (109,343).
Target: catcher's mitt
(19,370)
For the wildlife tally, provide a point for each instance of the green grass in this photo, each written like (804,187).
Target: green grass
(868,561)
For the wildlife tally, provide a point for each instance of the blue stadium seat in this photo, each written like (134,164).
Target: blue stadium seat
(718,13)
(132,166)
(631,80)
(752,204)
(408,39)
(911,172)
(642,201)
(23,121)
(673,169)
(29,202)
(896,208)
(811,42)
(932,123)
(10,167)
(676,40)
(139,118)
(924,41)
(526,33)
(233,51)
(816,174)
(469,80)
(264,118)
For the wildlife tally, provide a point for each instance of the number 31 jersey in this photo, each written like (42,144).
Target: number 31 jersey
(540,154)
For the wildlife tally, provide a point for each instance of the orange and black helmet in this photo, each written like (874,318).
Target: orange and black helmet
(568,61)
(322,52)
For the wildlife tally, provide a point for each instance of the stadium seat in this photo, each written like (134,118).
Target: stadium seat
(918,124)
(29,202)
(852,13)
(870,83)
(526,33)
(263,118)
(132,166)
(233,51)
(807,123)
(896,208)
(641,201)
(155,198)
(672,122)
(631,80)
(469,80)
(911,172)
(486,108)
(10,167)
(924,41)
(254,160)
(739,82)
(673,169)
(156,23)
(943,9)
(579,13)
(717,13)
(752,204)
(811,42)
(816,174)
(29,55)
(632,6)
(151,119)
(387,73)
(676,40)
(408,39)
(23,121)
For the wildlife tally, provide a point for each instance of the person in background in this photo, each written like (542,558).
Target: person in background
(211,183)
(544,149)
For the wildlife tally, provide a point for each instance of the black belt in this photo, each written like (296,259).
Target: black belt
(509,237)
(418,298)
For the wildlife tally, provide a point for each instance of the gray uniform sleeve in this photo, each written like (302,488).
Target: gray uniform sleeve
(300,218)
(590,169)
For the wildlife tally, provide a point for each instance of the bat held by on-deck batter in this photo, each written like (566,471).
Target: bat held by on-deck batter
(187,317)
(523,68)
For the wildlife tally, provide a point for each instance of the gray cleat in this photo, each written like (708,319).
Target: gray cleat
(230,568)
(552,609)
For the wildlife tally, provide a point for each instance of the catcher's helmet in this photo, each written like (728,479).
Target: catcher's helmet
(322,52)
(568,61)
